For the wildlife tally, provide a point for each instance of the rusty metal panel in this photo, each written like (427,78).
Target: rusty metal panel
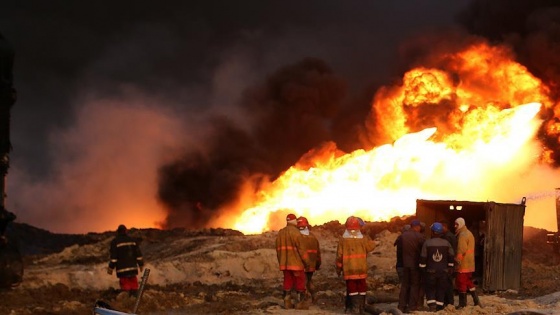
(494,249)
(425,213)
(513,246)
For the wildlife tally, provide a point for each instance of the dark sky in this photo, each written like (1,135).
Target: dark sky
(171,103)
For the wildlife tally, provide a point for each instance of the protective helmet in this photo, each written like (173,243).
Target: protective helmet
(437,228)
(352,223)
(121,229)
(302,222)
(290,217)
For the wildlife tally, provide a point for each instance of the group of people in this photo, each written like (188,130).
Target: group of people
(426,267)
(299,256)
(435,267)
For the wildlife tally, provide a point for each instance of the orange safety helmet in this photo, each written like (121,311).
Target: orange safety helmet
(302,222)
(352,223)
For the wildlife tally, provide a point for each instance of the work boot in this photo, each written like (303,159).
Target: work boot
(312,292)
(475,298)
(303,301)
(288,300)
(354,304)
(432,307)
(347,304)
(462,300)
(362,304)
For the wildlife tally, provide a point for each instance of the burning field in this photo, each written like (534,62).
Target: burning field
(470,113)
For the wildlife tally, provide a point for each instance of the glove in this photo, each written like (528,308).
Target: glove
(109,270)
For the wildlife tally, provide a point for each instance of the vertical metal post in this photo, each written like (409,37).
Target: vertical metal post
(141,289)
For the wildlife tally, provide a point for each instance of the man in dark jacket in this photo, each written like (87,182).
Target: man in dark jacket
(126,257)
(412,241)
(436,261)
(398,246)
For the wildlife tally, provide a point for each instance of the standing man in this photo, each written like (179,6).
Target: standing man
(464,259)
(452,239)
(292,260)
(412,241)
(126,257)
(313,252)
(398,246)
(351,261)
(436,262)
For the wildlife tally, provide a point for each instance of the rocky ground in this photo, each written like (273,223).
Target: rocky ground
(218,271)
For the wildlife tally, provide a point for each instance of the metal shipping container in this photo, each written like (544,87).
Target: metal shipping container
(498,231)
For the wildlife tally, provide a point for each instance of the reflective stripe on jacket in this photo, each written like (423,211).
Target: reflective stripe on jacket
(312,251)
(465,251)
(351,256)
(125,256)
(289,249)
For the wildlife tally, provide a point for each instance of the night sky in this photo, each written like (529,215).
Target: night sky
(173,103)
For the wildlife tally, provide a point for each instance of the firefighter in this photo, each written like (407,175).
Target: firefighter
(351,262)
(412,241)
(313,253)
(126,258)
(464,264)
(436,263)
(292,261)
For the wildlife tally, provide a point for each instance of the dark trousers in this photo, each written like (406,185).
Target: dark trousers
(410,285)
(449,292)
(436,286)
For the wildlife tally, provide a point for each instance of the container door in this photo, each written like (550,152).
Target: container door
(494,272)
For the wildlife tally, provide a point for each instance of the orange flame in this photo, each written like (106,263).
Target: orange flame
(464,130)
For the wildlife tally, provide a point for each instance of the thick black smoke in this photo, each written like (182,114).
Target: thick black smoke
(189,58)
(288,115)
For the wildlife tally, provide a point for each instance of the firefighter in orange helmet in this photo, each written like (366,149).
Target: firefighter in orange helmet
(351,262)
(313,252)
(292,261)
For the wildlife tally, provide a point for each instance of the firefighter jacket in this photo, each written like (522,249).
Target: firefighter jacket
(437,255)
(312,252)
(464,257)
(290,249)
(351,256)
(125,256)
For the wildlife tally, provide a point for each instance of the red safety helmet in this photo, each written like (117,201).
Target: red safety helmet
(352,223)
(302,222)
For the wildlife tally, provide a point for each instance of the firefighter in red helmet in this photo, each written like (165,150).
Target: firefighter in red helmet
(351,262)
(313,252)
(292,262)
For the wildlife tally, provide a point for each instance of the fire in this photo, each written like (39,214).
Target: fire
(459,129)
